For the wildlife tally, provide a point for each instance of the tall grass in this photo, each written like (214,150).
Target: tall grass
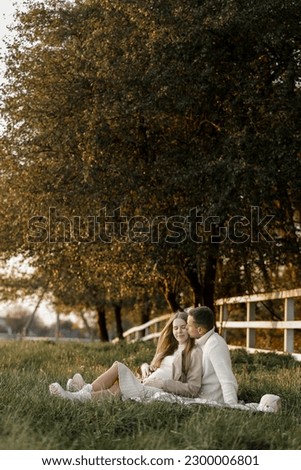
(32,419)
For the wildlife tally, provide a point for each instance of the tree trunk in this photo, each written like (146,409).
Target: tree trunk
(30,320)
(57,326)
(88,328)
(209,282)
(293,242)
(102,324)
(171,298)
(146,308)
(119,329)
(209,277)
(171,293)
(268,287)
(192,275)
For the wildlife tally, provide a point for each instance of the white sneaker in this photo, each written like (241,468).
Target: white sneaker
(76,383)
(85,394)
(270,403)
(57,389)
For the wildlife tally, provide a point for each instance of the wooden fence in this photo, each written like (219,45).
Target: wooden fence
(147,331)
(247,305)
(250,302)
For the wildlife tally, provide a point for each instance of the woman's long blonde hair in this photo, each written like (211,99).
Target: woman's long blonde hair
(167,343)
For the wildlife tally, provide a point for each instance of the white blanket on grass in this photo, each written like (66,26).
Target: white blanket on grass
(268,404)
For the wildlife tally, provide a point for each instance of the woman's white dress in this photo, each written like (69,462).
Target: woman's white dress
(132,387)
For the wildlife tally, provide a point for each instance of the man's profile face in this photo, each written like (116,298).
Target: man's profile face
(192,328)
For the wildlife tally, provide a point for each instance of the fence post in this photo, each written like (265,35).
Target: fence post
(251,333)
(289,314)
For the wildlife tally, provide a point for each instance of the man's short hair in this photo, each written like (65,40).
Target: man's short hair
(202,316)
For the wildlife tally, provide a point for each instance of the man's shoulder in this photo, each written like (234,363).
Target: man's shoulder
(216,340)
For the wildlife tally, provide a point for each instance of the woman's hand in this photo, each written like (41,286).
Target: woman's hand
(145,370)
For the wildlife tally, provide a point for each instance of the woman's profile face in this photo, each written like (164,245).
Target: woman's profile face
(179,328)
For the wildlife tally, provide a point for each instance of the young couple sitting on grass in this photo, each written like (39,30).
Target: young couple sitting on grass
(192,364)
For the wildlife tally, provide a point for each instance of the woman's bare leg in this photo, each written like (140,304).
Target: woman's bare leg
(113,391)
(107,379)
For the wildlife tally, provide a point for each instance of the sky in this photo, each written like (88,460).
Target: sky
(17,267)
(7,9)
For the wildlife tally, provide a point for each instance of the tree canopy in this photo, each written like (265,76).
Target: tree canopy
(153,145)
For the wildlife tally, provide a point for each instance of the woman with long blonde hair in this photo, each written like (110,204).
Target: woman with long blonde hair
(168,343)
(176,368)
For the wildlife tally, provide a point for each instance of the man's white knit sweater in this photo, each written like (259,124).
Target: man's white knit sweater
(218,381)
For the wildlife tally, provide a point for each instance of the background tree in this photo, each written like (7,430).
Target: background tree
(184,114)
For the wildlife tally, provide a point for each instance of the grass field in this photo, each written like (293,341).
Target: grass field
(32,419)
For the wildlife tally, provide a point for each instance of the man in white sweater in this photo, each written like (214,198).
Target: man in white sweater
(218,381)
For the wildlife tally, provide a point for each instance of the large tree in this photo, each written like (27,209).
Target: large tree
(180,118)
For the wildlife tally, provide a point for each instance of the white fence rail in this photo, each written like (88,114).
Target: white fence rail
(251,325)
(149,330)
(249,302)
